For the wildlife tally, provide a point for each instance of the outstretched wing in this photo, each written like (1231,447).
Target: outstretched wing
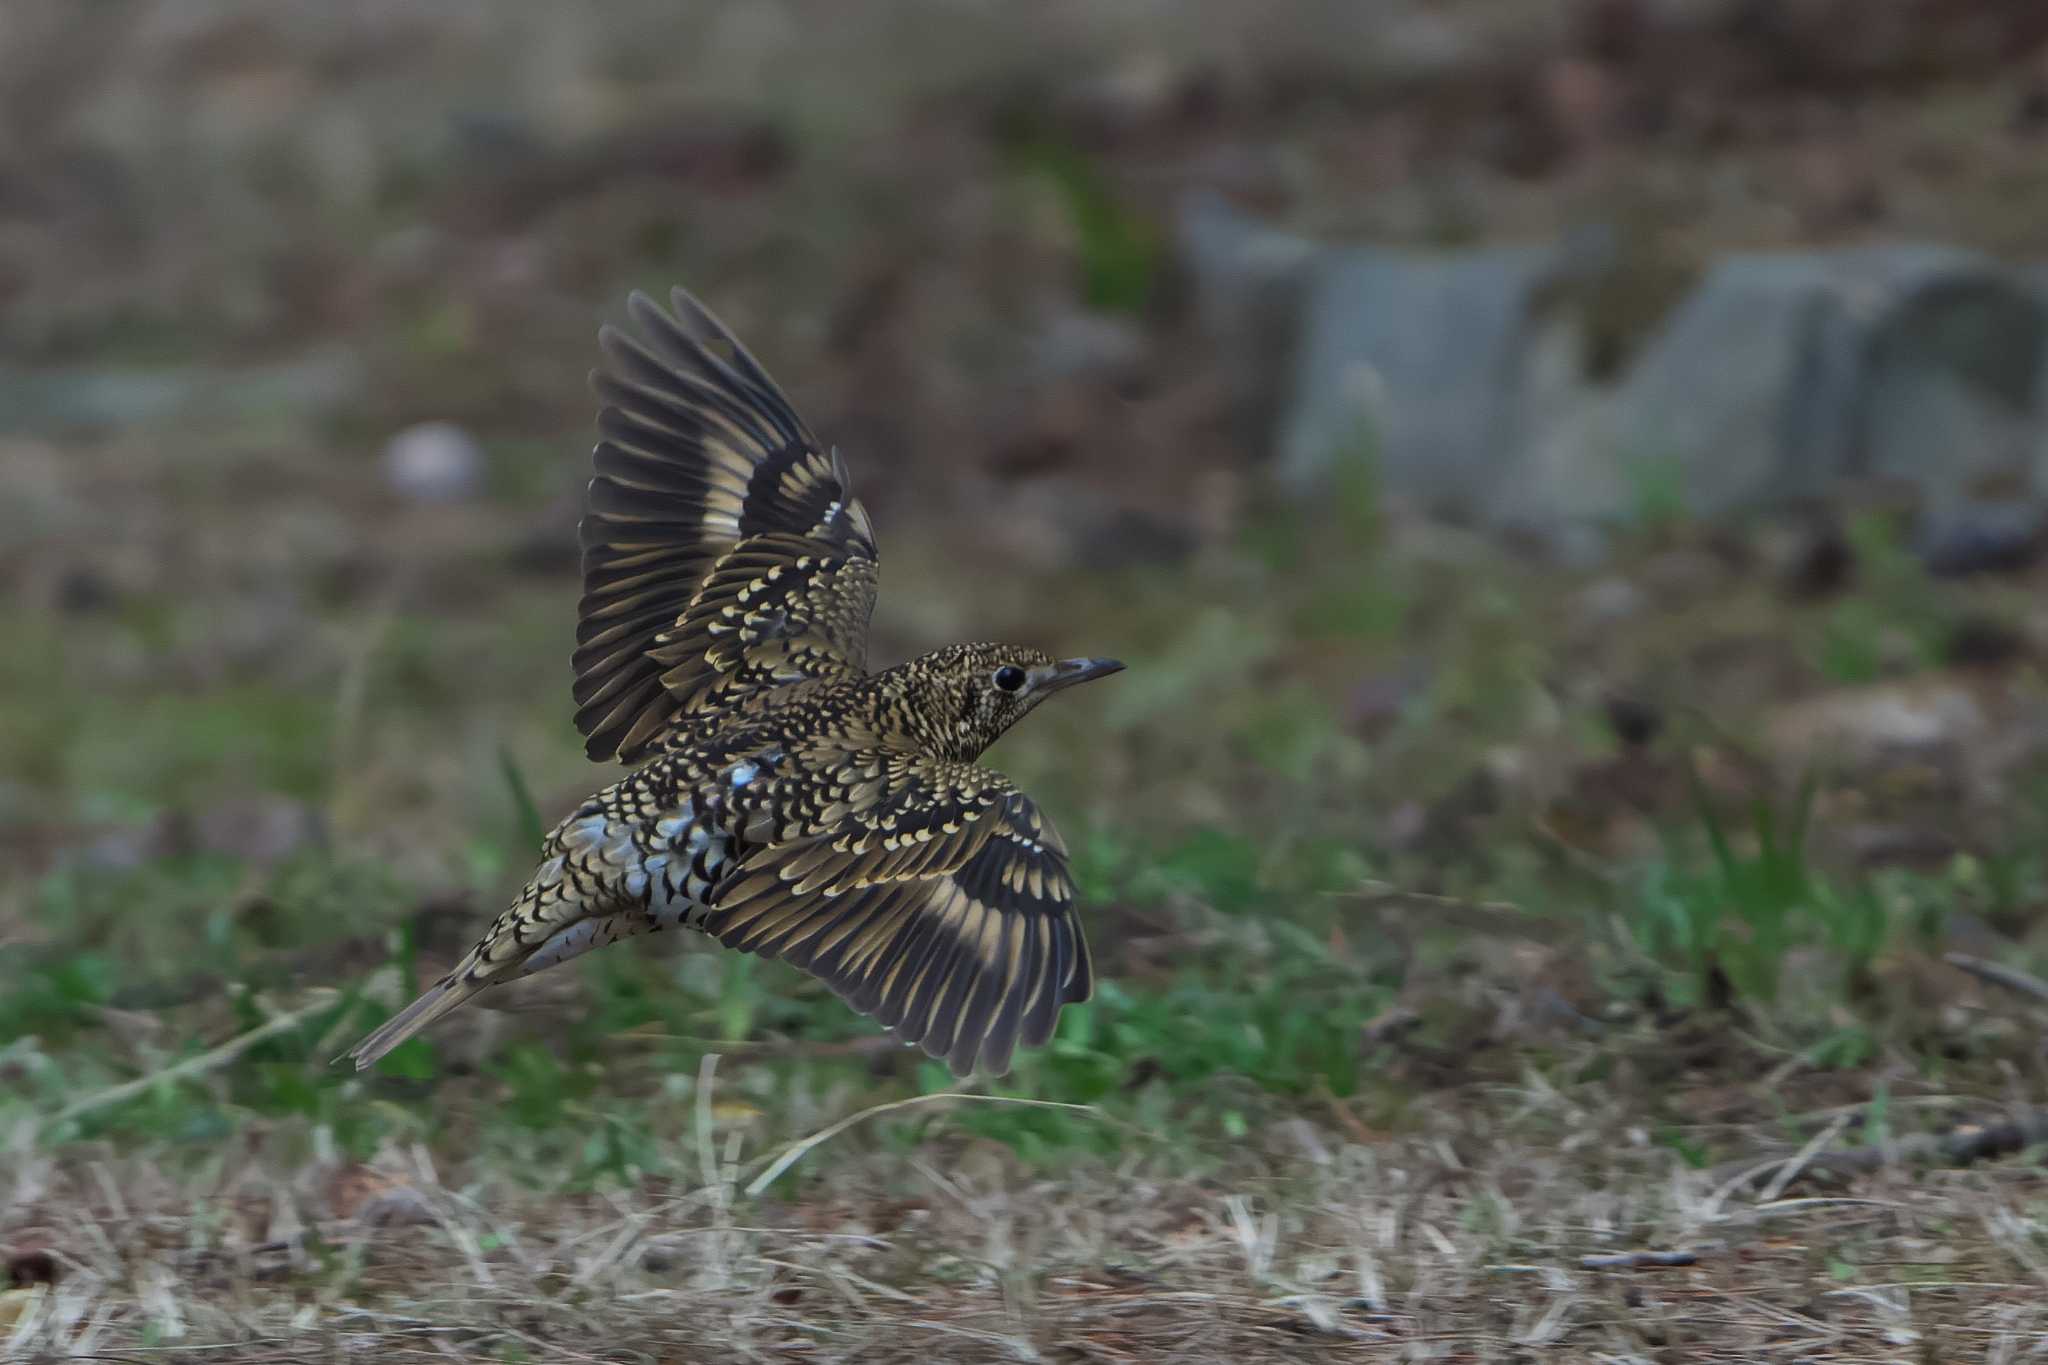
(931,895)
(723,550)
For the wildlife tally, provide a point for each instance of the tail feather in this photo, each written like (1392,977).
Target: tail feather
(443,996)
(550,923)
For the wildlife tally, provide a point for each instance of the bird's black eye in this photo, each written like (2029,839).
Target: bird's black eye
(1009,677)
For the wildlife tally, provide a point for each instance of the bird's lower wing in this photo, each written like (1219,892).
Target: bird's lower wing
(948,916)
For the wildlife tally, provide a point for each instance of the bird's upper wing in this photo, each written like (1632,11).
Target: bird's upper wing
(929,894)
(723,550)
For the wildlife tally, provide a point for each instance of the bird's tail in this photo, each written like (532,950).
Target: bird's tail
(443,996)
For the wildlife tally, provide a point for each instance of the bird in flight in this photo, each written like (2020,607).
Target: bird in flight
(785,800)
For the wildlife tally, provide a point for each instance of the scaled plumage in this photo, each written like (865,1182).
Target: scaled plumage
(794,805)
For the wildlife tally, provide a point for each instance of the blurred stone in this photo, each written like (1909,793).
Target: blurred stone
(1724,392)
(1449,371)
(1782,379)
(434,462)
(1982,536)
(1248,282)
(1950,393)
(1783,374)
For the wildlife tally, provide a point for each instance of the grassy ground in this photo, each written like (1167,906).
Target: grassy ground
(1499,960)
(1395,1032)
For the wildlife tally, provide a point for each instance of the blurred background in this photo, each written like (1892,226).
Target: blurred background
(1568,479)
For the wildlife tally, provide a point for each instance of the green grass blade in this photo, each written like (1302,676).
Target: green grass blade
(526,814)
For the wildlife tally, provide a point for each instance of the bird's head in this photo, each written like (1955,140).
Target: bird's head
(968,695)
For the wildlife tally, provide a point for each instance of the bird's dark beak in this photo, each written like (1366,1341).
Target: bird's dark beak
(1067,672)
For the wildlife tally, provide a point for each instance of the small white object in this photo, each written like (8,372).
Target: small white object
(434,462)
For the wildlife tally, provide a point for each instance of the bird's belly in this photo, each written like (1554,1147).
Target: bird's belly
(630,879)
(575,940)
(679,876)
(667,900)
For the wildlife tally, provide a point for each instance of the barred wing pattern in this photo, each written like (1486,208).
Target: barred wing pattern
(942,905)
(723,551)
